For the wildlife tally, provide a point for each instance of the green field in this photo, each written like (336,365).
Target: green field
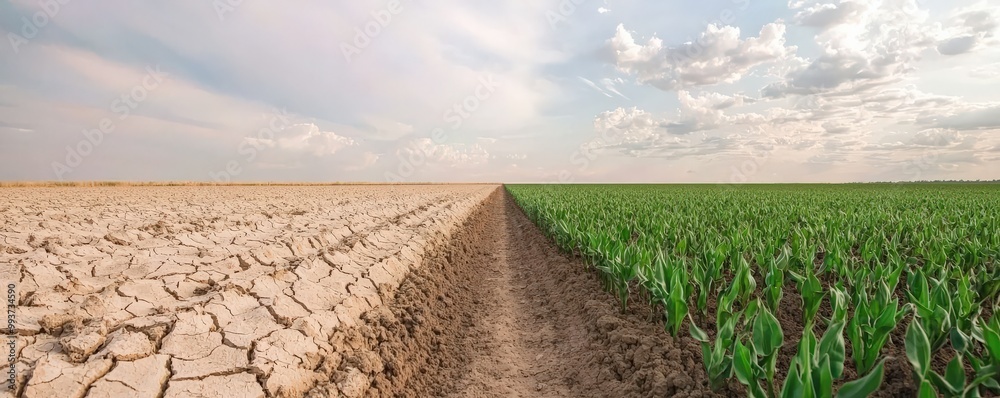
(869,272)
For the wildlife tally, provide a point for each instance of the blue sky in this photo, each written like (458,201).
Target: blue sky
(545,91)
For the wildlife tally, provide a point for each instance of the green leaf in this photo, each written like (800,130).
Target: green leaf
(926,390)
(742,364)
(918,348)
(959,341)
(864,386)
(697,333)
(955,373)
(992,340)
(832,346)
(824,379)
(793,384)
(767,334)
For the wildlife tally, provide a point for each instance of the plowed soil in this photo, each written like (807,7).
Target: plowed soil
(500,312)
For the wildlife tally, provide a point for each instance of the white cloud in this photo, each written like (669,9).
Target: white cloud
(717,56)
(969,117)
(827,15)
(453,155)
(969,28)
(873,45)
(305,137)
(606,87)
(937,137)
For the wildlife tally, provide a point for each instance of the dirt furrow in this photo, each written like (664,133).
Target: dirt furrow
(500,312)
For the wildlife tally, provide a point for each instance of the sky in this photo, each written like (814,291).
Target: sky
(505,91)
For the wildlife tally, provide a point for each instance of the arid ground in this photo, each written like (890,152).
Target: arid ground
(313,291)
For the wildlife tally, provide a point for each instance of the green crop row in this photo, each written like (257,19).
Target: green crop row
(880,255)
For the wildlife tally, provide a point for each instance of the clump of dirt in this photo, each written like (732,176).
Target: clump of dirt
(158,229)
(11,250)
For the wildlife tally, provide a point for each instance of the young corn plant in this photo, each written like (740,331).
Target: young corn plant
(666,280)
(707,272)
(743,282)
(621,270)
(812,294)
(987,281)
(988,367)
(933,307)
(952,384)
(676,304)
(819,363)
(757,360)
(965,306)
(839,302)
(874,319)
(774,280)
(717,355)
(704,281)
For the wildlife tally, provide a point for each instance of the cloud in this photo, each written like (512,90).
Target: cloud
(718,55)
(452,155)
(305,138)
(15,127)
(606,87)
(871,46)
(826,15)
(981,18)
(636,132)
(957,45)
(978,118)
(937,137)
(969,28)
(593,85)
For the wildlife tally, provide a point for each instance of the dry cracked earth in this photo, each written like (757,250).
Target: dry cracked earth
(205,292)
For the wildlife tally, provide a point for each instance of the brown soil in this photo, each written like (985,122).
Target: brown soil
(500,312)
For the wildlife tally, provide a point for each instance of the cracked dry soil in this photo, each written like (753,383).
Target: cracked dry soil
(433,291)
